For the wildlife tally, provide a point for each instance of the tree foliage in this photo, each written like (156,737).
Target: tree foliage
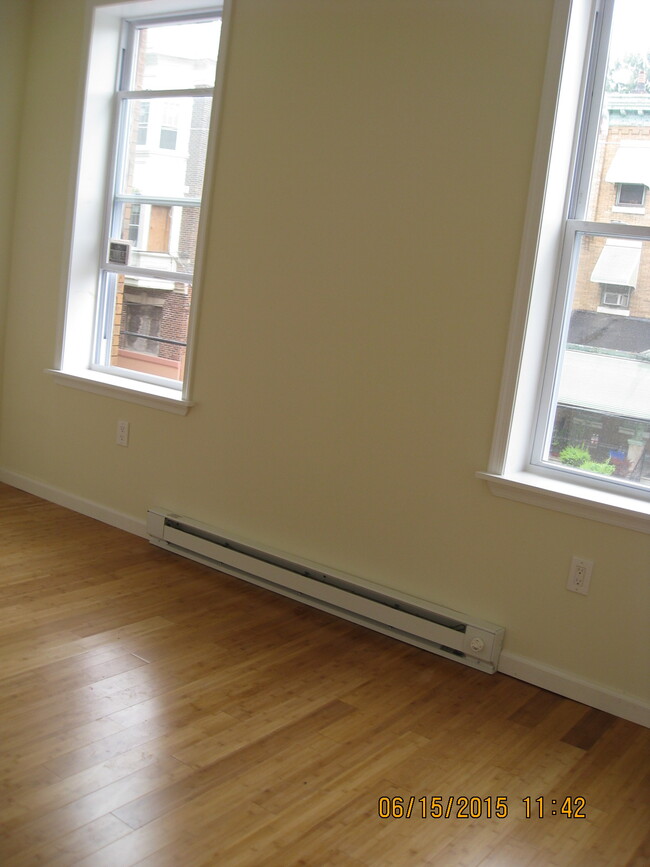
(629,74)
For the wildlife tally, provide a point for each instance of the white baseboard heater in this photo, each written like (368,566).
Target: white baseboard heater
(431,627)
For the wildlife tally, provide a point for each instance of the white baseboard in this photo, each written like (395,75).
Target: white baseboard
(561,682)
(77,504)
(571,686)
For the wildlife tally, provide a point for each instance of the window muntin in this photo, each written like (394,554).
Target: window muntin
(605,267)
(160,147)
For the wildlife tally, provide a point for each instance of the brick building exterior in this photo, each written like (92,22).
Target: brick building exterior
(620,194)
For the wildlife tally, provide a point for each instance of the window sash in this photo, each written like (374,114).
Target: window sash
(586,137)
(575,231)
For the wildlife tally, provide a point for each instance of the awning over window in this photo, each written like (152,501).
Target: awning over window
(631,165)
(618,263)
(605,382)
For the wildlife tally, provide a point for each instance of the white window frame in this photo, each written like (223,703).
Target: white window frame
(538,318)
(92,171)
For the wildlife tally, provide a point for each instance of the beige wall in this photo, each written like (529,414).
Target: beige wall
(353,319)
(14,22)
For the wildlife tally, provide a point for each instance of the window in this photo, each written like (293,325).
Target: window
(169,128)
(132,218)
(629,169)
(168,138)
(574,421)
(630,194)
(615,296)
(143,123)
(145,140)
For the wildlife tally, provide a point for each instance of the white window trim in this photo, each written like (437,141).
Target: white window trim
(510,471)
(144,393)
(87,203)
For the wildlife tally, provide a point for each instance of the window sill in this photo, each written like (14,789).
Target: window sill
(566,496)
(613,311)
(132,391)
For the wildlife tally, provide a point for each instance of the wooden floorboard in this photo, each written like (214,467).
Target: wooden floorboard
(155,712)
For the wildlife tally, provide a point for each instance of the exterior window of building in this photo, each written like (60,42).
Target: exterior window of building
(168,138)
(630,194)
(615,296)
(133,222)
(169,128)
(143,123)
(574,425)
(149,137)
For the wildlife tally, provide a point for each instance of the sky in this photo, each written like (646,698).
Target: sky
(630,28)
(196,41)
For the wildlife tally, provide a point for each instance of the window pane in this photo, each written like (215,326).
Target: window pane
(601,419)
(631,194)
(168,138)
(168,161)
(176,56)
(621,171)
(131,231)
(163,236)
(142,121)
(149,325)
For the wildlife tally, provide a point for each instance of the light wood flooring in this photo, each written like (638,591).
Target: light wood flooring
(156,712)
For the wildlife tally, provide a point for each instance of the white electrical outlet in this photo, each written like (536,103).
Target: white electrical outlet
(580,575)
(122,433)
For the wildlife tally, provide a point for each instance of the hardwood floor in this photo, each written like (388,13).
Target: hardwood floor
(155,712)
